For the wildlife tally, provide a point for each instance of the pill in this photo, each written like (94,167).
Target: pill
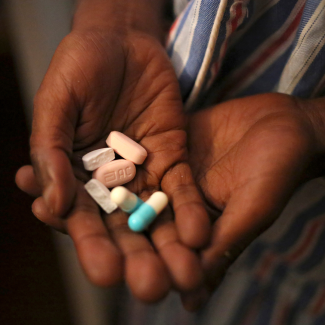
(96,158)
(101,195)
(141,218)
(115,173)
(125,199)
(126,147)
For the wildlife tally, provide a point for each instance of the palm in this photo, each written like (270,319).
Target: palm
(97,84)
(248,156)
(137,95)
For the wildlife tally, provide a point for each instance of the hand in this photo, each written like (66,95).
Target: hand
(248,156)
(99,82)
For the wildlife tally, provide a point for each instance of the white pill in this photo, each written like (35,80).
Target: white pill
(126,200)
(94,159)
(101,194)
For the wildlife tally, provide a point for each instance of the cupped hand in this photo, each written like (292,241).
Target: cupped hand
(98,82)
(248,156)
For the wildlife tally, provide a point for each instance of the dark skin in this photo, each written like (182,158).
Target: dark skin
(247,155)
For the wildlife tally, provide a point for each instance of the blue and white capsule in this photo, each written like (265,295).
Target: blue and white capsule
(142,217)
(125,200)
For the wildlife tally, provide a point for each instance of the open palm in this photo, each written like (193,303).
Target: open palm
(248,155)
(95,84)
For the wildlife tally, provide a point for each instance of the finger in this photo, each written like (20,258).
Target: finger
(246,216)
(191,218)
(101,260)
(26,181)
(42,213)
(163,167)
(182,263)
(145,273)
(55,117)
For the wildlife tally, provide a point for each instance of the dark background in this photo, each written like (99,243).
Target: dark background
(31,288)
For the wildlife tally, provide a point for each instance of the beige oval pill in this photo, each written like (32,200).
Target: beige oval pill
(126,147)
(114,173)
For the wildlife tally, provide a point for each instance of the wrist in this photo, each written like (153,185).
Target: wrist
(123,17)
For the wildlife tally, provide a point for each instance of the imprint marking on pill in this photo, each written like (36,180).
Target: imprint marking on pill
(115,173)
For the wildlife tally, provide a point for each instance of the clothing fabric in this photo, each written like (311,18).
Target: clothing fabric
(223,49)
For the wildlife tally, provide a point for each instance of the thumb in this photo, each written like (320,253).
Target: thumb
(55,117)
(249,211)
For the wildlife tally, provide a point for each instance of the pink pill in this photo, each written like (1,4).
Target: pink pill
(126,147)
(115,173)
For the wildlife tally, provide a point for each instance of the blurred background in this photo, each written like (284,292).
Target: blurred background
(40,278)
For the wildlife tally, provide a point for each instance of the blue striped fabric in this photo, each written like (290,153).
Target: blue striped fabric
(305,68)
(216,58)
(187,48)
(257,44)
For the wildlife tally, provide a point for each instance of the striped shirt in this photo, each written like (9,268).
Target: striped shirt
(224,49)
